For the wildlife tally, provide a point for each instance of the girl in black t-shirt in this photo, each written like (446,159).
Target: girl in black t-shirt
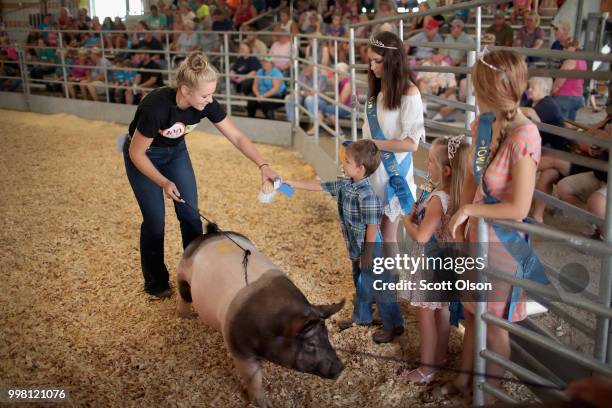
(157,161)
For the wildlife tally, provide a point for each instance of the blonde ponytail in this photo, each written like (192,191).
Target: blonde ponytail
(500,78)
(194,70)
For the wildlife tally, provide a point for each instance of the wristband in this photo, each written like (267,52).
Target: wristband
(261,165)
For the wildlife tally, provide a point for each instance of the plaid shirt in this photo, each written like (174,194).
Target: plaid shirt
(358,206)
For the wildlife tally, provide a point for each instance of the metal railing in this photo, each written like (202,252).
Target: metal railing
(601,362)
(220,58)
(601,306)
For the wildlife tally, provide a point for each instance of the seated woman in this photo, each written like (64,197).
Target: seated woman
(79,73)
(544,109)
(244,65)
(119,39)
(587,188)
(46,55)
(187,40)
(267,88)
(244,12)
(531,35)
(327,111)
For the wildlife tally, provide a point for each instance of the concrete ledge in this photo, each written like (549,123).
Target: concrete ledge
(318,158)
(13,101)
(259,130)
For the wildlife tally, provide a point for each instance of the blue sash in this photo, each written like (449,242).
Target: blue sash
(397,172)
(529,265)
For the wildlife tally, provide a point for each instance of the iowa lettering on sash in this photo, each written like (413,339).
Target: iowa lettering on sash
(481,157)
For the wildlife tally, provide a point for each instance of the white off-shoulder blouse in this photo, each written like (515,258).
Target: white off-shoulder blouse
(398,124)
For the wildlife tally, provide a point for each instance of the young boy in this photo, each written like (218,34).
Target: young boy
(360,215)
(123,77)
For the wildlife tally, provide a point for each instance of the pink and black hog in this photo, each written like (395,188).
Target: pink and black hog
(268,319)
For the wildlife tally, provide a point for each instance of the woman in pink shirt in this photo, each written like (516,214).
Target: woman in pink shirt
(79,73)
(568,92)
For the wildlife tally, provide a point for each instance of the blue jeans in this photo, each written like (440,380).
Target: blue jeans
(290,106)
(569,105)
(175,164)
(325,107)
(365,296)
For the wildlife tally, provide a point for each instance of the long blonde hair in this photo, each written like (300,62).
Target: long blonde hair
(458,165)
(500,78)
(195,70)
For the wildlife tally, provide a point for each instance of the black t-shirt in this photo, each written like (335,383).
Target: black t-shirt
(154,44)
(245,65)
(549,113)
(225,25)
(146,75)
(159,118)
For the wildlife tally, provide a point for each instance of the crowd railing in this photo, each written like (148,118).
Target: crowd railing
(224,52)
(600,305)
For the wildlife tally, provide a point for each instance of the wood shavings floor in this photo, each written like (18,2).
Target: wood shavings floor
(72,310)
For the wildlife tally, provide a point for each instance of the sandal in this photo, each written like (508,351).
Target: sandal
(425,379)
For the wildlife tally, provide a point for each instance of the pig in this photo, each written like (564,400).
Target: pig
(267,319)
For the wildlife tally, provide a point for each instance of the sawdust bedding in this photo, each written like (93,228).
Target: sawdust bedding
(72,310)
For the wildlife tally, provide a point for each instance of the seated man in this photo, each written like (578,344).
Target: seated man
(429,35)
(504,34)
(145,80)
(458,36)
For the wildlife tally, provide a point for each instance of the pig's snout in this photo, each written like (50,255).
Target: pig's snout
(332,369)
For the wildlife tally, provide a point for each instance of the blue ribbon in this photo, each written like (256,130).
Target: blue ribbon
(397,172)
(529,265)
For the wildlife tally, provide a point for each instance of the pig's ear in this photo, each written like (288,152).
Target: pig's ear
(300,325)
(326,311)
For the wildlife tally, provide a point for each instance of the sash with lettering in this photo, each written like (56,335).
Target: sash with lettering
(529,265)
(397,185)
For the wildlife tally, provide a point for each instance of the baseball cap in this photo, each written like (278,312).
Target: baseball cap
(458,22)
(431,24)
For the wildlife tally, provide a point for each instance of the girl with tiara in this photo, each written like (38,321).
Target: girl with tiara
(446,165)
(499,184)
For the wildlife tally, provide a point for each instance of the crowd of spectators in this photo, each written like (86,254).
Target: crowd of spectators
(132,60)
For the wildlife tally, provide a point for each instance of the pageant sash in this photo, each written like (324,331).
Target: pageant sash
(530,266)
(397,172)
